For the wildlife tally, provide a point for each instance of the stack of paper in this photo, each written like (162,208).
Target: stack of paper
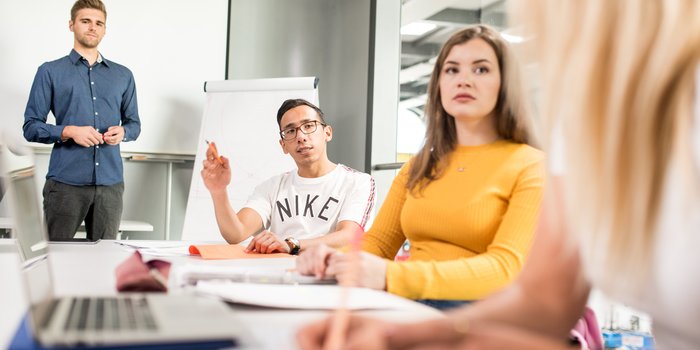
(300,296)
(191,274)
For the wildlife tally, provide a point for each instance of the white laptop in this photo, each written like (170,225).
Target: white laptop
(120,320)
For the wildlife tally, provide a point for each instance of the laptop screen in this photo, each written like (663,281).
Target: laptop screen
(29,231)
(28,220)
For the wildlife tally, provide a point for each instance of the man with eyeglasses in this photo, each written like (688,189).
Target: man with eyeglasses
(319,202)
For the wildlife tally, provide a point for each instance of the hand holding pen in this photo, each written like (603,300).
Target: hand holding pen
(213,153)
(216,172)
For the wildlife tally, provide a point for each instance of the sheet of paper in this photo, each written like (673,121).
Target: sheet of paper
(149,244)
(229,251)
(315,297)
(156,248)
(166,251)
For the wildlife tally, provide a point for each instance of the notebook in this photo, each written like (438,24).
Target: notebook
(121,320)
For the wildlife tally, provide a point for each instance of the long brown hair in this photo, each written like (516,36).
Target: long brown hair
(511,111)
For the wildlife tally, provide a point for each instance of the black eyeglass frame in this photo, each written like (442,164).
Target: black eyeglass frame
(296,129)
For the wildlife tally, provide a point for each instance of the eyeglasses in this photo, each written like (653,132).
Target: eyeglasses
(306,128)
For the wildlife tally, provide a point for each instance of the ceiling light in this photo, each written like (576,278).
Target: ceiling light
(513,39)
(417,28)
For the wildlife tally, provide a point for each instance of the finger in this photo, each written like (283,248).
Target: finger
(320,269)
(210,165)
(335,267)
(251,246)
(321,264)
(259,244)
(276,247)
(261,247)
(95,139)
(225,162)
(336,258)
(115,131)
(267,245)
(210,153)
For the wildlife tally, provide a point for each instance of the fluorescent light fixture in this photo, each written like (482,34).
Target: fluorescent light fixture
(415,72)
(413,102)
(417,28)
(513,39)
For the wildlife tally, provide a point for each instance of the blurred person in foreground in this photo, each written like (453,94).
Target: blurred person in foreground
(622,206)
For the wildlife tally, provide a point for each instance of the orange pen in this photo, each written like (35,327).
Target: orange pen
(212,148)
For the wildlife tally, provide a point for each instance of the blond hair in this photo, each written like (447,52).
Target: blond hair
(618,79)
(511,111)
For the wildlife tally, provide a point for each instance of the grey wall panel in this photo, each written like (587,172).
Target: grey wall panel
(324,38)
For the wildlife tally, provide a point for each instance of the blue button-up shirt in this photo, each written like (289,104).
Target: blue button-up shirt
(100,96)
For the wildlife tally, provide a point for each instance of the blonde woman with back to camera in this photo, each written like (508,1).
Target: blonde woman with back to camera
(622,210)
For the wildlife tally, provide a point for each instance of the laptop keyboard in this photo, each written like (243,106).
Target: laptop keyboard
(110,314)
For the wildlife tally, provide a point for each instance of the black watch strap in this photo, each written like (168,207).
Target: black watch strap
(294,245)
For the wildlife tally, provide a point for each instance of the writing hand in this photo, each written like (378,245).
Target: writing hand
(114,135)
(85,136)
(266,242)
(371,274)
(362,333)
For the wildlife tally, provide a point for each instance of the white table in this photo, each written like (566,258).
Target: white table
(80,269)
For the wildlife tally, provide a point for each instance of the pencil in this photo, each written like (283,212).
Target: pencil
(212,148)
(341,316)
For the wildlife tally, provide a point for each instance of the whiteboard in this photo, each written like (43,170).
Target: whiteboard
(241,117)
(171,46)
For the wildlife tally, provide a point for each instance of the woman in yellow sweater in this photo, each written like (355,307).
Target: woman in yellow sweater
(468,201)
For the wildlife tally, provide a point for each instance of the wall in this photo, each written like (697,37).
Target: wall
(324,38)
(171,46)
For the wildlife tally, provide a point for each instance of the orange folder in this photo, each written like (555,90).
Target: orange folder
(229,251)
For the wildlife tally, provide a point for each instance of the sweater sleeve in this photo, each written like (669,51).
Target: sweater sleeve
(478,276)
(385,237)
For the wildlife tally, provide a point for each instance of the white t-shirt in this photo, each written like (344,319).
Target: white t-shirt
(299,207)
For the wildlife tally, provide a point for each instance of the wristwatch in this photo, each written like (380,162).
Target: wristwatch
(294,245)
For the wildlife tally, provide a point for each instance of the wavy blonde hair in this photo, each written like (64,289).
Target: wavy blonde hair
(511,112)
(618,79)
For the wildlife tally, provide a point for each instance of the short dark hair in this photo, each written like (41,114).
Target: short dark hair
(296,102)
(87,4)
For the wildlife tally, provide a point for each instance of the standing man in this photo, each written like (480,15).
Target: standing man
(94,102)
(319,202)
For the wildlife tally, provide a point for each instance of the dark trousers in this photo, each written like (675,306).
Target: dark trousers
(66,206)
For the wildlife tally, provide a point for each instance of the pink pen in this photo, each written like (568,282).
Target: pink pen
(341,316)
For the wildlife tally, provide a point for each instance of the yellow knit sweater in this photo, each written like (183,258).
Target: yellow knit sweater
(469,230)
